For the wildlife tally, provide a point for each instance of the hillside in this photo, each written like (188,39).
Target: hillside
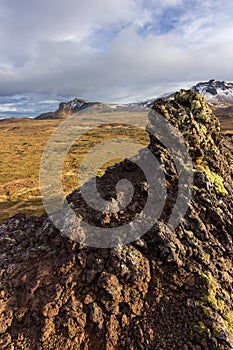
(170,289)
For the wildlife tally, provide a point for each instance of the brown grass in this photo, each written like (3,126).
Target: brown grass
(22,142)
(225,115)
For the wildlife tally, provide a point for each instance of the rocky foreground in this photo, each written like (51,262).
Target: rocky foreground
(168,290)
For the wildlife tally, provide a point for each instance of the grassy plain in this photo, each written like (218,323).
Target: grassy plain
(22,142)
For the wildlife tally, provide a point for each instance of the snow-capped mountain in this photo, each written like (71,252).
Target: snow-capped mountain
(76,105)
(216,92)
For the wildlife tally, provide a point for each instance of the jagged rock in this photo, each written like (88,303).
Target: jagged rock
(67,108)
(168,290)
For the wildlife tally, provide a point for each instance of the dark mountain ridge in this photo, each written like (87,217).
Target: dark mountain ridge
(216,92)
(67,108)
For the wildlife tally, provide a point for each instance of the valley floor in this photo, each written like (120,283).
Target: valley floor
(22,142)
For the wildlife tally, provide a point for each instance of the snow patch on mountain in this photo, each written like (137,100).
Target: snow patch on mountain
(216,92)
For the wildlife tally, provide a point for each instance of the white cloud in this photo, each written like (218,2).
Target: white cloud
(166,3)
(7,108)
(112,50)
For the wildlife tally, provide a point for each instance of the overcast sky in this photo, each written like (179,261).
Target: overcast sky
(109,50)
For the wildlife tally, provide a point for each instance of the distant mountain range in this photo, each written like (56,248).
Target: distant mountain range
(217,93)
(70,107)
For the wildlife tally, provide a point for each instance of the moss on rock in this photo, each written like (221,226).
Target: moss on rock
(216,179)
(228,317)
(211,295)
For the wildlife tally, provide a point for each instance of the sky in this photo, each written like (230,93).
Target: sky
(108,50)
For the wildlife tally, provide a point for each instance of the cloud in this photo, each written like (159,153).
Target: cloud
(112,50)
(7,108)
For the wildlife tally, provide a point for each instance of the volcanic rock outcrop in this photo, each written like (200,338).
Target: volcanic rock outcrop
(67,108)
(167,290)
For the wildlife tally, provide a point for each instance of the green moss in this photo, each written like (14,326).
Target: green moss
(226,293)
(211,304)
(211,297)
(201,327)
(207,256)
(190,335)
(7,238)
(207,310)
(203,129)
(228,317)
(216,332)
(216,179)
(190,234)
(219,211)
(217,304)
(196,106)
